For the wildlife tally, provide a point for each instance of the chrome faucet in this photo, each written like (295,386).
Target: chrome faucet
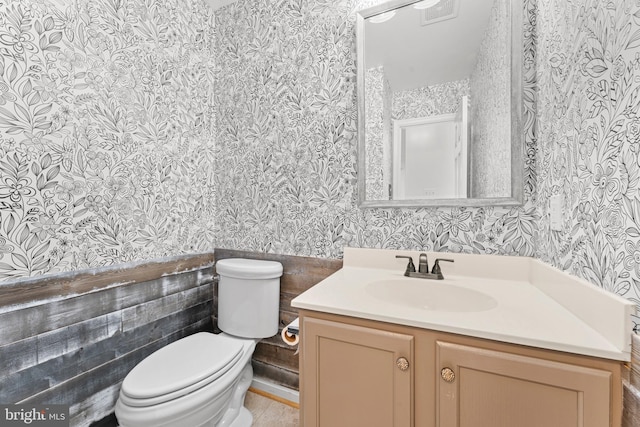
(423,267)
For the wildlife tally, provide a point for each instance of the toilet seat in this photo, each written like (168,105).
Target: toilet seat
(180,368)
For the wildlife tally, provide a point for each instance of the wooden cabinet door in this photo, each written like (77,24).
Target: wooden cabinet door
(489,388)
(350,376)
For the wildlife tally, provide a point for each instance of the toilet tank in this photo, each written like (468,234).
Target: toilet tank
(248,297)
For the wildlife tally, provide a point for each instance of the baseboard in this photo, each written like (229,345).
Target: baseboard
(269,389)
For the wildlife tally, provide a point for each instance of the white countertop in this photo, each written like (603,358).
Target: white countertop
(535,305)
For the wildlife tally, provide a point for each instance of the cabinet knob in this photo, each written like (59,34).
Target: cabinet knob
(402,363)
(448,375)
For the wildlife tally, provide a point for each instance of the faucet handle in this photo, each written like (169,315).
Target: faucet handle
(436,265)
(411,268)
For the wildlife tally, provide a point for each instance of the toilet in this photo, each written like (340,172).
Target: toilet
(202,379)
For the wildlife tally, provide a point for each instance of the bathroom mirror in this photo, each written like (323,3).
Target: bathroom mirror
(440,103)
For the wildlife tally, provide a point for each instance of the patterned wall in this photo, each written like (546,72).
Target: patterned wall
(106,146)
(286,122)
(490,87)
(427,101)
(108,150)
(589,139)
(375,137)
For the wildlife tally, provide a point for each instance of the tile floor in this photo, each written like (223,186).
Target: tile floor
(270,413)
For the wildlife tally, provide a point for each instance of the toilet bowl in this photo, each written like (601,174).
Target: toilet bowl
(201,380)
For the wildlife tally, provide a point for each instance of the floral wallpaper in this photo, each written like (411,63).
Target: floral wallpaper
(106,138)
(376,139)
(428,101)
(490,87)
(286,124)
(116,145)
(589,139)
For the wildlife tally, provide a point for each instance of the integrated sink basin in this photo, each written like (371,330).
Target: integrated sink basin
(430,295)
(517,300)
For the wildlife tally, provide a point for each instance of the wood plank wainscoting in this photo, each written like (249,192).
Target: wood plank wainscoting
(273,360)
(71,338)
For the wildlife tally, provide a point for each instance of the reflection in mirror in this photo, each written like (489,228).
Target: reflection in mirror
(439,93)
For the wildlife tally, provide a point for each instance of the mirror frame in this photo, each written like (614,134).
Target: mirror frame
(517,131)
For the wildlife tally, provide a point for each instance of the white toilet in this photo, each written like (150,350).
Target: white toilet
(201,380)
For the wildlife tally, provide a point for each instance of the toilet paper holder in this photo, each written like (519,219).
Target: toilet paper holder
(291,333)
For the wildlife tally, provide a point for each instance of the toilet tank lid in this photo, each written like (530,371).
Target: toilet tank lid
(243,268)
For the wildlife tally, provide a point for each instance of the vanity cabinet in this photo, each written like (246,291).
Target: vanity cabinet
(356,376)
(353,373)
(481,387)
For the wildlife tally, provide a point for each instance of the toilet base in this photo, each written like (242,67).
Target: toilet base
(244,419)
(236,414)
(219,404)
